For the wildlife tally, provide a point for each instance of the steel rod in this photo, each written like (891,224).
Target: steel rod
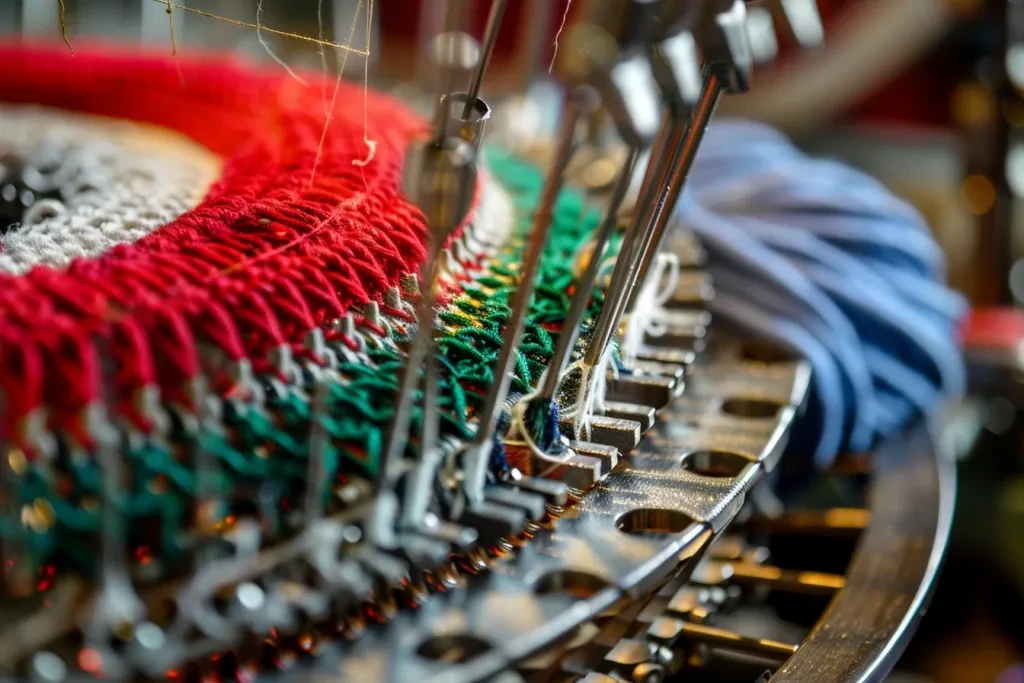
(570,327)
(490,38)
(538,238)
(702,115)
(658,166)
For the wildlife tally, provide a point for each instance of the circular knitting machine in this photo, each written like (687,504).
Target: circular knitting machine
(297,388)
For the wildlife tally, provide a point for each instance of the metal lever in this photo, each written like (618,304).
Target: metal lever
(209,503)
(674,55)
(584,288)
(117,603)
(673,153)
(729,63)
(678,172)
(477,453)
(441,180)
(318,443)
(670,138)
(723,38)
(445,198)
(764,45)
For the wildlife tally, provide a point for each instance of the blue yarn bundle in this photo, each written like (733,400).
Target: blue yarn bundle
(826,262)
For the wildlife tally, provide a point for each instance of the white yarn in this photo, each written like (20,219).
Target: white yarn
(590,394)
(646,318)
(117,183)
(494,218)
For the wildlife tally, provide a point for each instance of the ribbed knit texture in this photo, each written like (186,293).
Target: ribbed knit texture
(271,253)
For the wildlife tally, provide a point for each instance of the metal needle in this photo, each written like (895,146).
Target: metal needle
(318,442)
(440,178)
(584,288)
(490,37)
(669,138)
(579,103)
(439,188)
(209,504)
(728,57)
(681,166)
(117,601)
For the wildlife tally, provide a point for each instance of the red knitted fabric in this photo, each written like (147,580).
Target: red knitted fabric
(265,258)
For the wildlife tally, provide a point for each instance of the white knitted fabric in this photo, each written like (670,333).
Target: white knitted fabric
(494,219)
(117,182)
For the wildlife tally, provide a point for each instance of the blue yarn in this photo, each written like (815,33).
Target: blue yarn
(826,434)
(823,260)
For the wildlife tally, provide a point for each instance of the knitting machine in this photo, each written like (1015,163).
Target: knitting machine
(314,390)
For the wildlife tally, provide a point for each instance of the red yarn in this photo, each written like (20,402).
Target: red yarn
(271,253)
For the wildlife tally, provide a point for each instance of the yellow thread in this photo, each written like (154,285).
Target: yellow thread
(40,516)
(17,461)
(170,26)
(245,24)
(554,54)
(266,46)
(63,26)
(371,145)
(337,85)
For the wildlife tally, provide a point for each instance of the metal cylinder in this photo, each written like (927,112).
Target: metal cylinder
(452,122)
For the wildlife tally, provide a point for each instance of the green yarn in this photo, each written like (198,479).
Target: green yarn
(477,316)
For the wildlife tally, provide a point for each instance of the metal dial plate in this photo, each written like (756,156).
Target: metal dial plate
(640,526)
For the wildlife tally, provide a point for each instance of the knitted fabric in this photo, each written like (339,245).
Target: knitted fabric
(272,257)
(95,183)
(273,251)
(475,318)
(474,315)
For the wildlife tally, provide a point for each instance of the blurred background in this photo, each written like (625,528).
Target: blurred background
(925,95)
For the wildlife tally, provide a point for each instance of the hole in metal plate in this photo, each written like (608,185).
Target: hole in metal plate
(452,648)
(715,463)
(748,407)
(578,584)
(653,521)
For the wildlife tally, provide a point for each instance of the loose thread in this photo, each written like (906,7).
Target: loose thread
(334,96)
(266,46)
(650,306)
(561,27)
(170,26)
(323,55)
(64,26)
(371,145)
(245,24)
